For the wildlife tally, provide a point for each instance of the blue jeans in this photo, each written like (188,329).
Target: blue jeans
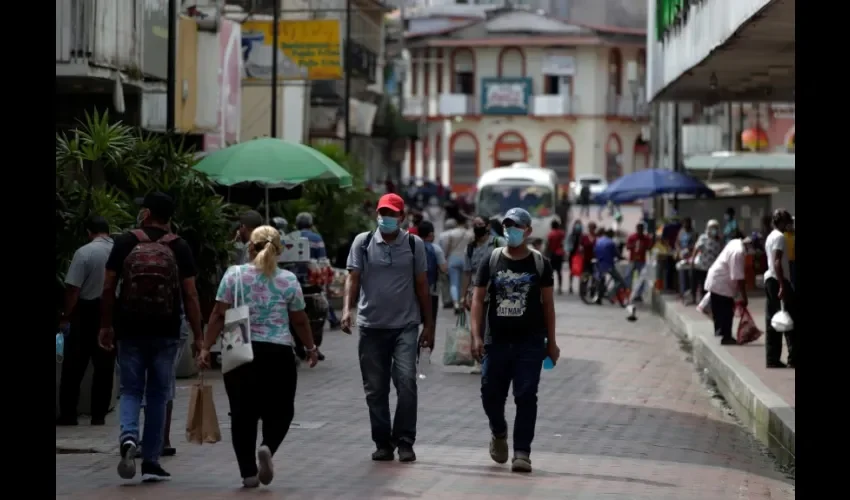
(390,354)
(519,363)
(630,271)
(140,360)
(455,275)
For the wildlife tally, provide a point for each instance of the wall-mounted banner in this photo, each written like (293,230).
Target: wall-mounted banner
(505,96)
(309,50)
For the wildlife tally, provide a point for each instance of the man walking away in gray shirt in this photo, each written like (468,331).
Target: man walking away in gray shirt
(248,221)
(83,287)
(388,282)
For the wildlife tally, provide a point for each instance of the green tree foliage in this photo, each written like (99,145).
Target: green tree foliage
(101,167)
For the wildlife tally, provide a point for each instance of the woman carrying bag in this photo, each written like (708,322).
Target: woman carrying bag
(259,307)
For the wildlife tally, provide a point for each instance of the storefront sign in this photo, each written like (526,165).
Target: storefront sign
(309,50)
(505,96)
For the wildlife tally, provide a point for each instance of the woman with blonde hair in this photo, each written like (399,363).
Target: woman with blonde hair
(263,389)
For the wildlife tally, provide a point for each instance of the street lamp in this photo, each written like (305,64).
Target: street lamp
(634,84)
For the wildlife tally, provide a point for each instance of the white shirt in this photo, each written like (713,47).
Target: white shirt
(776,241)
(727,270)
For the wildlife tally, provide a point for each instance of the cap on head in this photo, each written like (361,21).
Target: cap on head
(392,202)
(160,205)
(303,220)
(713,223)
(518,216)
(251,219)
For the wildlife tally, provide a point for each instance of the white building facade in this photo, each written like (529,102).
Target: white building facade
(519,86)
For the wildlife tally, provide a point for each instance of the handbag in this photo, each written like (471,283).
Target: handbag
(236,347)
(782,321)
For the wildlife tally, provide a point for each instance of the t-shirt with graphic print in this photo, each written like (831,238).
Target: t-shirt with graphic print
(269,300)
(515,309)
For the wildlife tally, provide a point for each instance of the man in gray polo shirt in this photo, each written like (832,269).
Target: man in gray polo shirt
(83,286)
(387,280)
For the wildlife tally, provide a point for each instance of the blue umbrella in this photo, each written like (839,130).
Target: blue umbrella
(651,183)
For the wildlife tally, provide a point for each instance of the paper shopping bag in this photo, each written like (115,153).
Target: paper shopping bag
(202,421)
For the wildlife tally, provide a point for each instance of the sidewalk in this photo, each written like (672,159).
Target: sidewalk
(623,416)
(764,399)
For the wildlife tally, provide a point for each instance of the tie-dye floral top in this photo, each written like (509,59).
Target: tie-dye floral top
(269,300)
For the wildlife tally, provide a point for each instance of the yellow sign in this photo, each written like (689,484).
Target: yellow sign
(310,50)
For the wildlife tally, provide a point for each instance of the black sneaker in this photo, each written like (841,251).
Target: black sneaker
(127,465)
(728,341)
(154,473)
(383,454)
(406,453)
(777,364)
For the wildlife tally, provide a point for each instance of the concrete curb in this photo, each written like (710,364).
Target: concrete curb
(767,415)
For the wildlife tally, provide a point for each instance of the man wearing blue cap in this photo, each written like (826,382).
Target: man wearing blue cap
(515,288)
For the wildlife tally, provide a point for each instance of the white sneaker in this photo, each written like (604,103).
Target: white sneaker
(476,369)
(251,482)
(264,462)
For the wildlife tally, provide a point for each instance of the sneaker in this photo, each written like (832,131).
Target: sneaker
(476,369)
(127,465)
(264,463)
(406,453)
(251,482)
(521,462)
(499,449)
(728,341)
(777,364)
(153,473)
(383,454)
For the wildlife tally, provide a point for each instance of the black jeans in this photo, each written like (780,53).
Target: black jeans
(263,389)
(723,313)
(435,306)
(390,354)
(773,339)
(516,364)
(697,282)
(80,347)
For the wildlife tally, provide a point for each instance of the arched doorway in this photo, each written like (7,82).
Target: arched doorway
(613,158)
(556,153)
(510,147)
(511,62)
(640,156)
(463,160)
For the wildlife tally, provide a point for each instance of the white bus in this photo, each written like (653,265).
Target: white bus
(520,185)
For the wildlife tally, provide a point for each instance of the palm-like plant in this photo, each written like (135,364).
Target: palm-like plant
(101,167)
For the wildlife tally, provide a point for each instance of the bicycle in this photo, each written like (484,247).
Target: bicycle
(594,287)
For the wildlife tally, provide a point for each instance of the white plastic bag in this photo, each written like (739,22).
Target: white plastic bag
(781,321)
(704,305)
(236,347)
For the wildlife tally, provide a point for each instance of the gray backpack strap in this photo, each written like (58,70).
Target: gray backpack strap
(538,261)
(495,255)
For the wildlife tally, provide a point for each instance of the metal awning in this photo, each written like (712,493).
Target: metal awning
(766,169)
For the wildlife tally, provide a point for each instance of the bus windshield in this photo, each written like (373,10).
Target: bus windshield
(498,199)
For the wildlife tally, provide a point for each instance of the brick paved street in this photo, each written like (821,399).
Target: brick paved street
(623,416)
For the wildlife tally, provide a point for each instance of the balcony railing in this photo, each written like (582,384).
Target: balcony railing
(626,106)
(104,32)
(419,106)
(555,105)
(458,105)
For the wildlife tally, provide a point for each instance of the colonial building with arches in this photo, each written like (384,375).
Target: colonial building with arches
(520,86)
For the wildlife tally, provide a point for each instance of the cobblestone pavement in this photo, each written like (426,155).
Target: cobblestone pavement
(622,416)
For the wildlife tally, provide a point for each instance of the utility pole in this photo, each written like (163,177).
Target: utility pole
(171,68)
(402,79)
(275,62)
(347,67)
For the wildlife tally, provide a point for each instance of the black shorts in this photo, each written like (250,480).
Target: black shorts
(557,262)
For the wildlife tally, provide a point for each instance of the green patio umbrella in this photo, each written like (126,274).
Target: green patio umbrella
(271,163)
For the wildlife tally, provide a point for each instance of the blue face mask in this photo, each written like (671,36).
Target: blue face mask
(515,236)
(577,228)
(387,224)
